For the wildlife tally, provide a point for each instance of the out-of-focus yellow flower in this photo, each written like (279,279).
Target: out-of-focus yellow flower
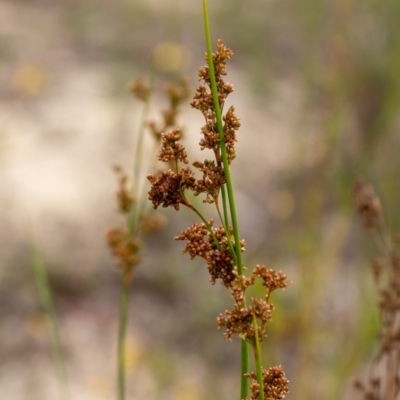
(171,57)
(133,352)
(29,79)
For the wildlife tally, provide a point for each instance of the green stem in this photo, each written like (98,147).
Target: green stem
(135,213)
(46,300)
(143,117)
(224,205)
(229,186)
(244,369)
(228,234)
(123,320)
(208,226)
(257,356)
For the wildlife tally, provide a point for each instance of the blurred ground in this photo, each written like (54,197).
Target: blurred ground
(318,94)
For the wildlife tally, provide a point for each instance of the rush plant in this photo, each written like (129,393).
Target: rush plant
(383,378)
(219,243)
(126,242)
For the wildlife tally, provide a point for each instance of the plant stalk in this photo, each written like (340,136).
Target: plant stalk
(123,321)
(137,210)
(244,391)
(257,356)
(46,300)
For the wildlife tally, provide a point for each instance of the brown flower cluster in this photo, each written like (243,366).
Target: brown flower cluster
(239,320)
(176,94)
(275,384)
(171,149)
(211,182)
(203,101)
(139,89)
(124,247)
(385,374)
(272,280)
(384,380)
(124,195)
(367,203)
(214,249)
(168,187)
(124,244)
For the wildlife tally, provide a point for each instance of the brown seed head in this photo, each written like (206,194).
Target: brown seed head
(210,184)
(219,259)
(367,203)
(275,384)
(203,101)
(124,195)
(171,149)
(140,89)
(272,280)
(165,189)
(124,247)
(177,93)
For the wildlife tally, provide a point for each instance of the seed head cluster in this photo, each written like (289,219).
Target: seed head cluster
(367,203)
(125,243)
(217,245)
(213,248)
(168,188)
(239,320)
(139,89)
(203,101)
(275,384)
(124,247)
(172,151)
(124,194)
(177,94)
(383,382)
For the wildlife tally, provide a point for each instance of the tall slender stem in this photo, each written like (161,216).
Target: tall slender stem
(237,252)
(138,208)
(123,320)
(228,234)
(229,185)
(257,356)
(46,299)
(244,391)
(134,217)
(224,205)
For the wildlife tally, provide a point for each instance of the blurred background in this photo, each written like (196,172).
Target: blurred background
(317,89)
